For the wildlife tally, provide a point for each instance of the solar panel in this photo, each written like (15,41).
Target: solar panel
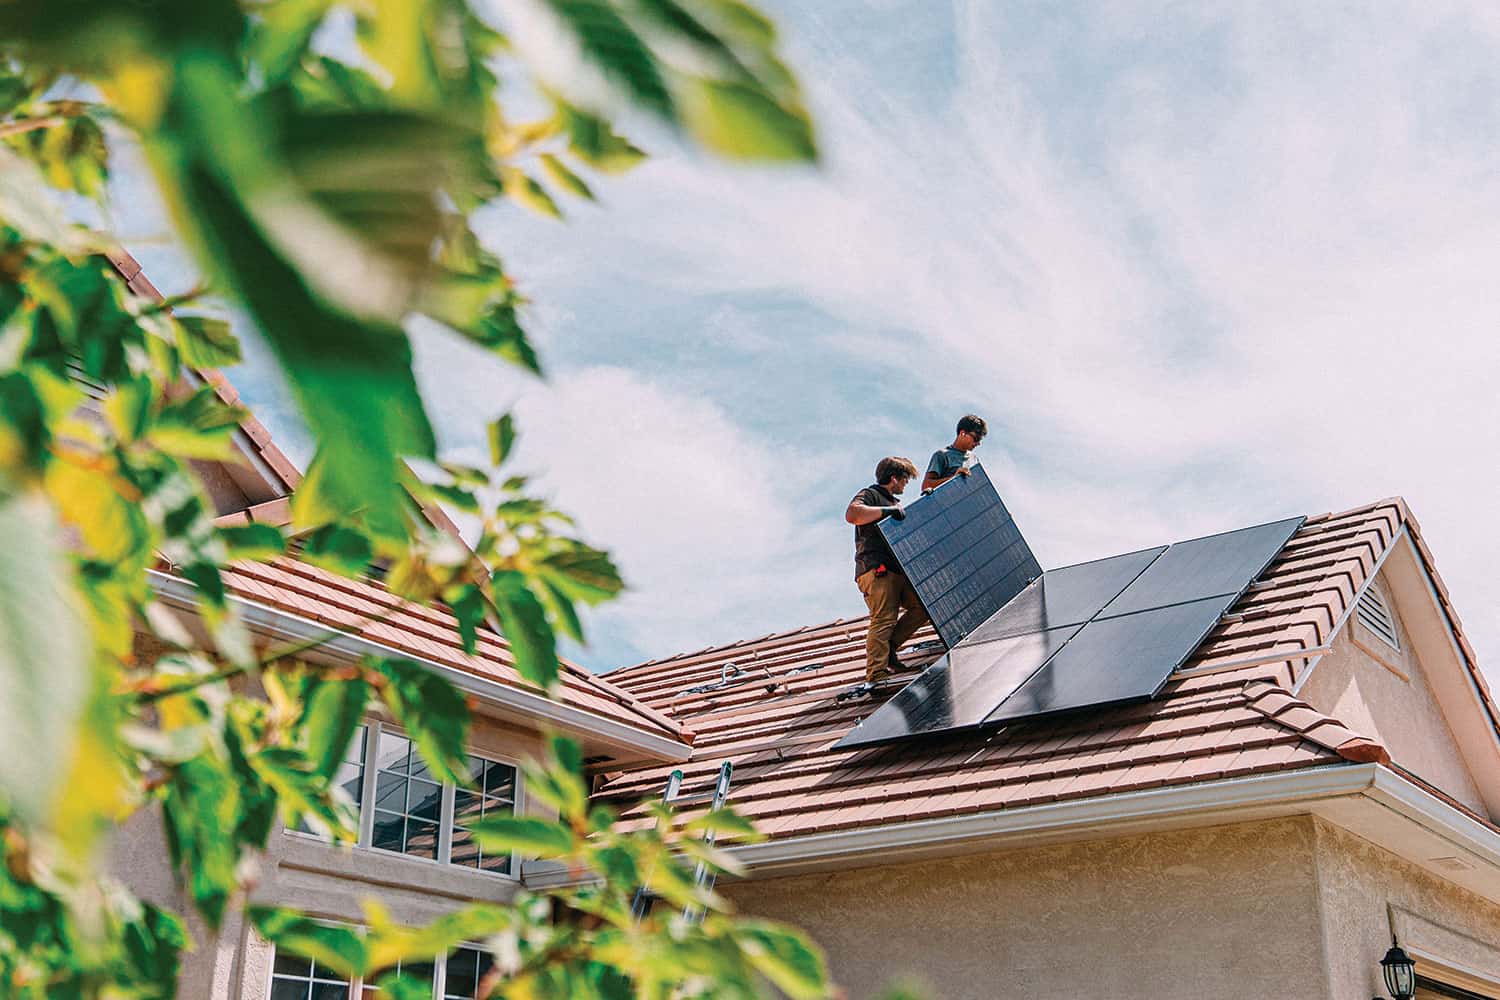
(960,689)
(1067,596)
(1083,636)
(962,552)
(1113,660)
(1205,567)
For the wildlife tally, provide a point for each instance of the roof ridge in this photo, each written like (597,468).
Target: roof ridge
(1286,709)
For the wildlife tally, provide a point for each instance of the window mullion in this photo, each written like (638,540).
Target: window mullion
(445,825)
(367,785)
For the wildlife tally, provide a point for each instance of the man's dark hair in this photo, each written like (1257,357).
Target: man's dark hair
(890,468)
(974,425)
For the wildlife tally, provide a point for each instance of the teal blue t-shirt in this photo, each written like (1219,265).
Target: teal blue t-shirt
(947,461)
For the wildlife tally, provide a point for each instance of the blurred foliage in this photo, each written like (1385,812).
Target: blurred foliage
(322,161)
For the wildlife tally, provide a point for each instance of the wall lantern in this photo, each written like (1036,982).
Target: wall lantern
(1400,973)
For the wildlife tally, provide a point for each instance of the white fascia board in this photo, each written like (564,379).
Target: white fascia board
(516,702)
(1287,792)
(1422,807)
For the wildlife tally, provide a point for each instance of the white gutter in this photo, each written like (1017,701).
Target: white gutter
(976,829)
(1421,806)
(529,705)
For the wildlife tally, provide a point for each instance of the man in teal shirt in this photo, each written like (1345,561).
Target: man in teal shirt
(955,459)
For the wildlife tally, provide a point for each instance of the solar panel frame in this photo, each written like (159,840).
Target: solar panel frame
(1069,595)
(940,546)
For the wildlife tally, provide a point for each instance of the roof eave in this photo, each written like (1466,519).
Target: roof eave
(522,705)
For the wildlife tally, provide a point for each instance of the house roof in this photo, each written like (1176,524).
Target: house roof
(366,610)
(1228,712)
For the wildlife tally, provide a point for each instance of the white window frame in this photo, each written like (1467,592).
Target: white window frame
(373,729)
(357,983)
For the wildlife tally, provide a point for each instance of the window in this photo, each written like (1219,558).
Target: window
(294,978)
(408,800)
(1376,616)
(406,810)
(466,967)
(351,773)
(455,977)
(494,792)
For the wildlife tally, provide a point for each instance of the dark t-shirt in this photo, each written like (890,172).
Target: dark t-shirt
(946,461)
(870,549)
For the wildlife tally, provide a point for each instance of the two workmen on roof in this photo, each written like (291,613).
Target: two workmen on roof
(895,611)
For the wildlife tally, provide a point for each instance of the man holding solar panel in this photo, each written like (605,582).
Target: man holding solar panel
(955,459)
(895,611)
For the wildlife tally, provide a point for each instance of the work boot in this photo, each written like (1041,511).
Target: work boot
(879,675)
(900,666)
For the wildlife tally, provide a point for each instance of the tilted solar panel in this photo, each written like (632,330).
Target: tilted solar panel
(1067,596)
(962,552)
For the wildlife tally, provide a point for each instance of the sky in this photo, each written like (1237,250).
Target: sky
(1199,265)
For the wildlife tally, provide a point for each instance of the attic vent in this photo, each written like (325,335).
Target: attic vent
(1376,616)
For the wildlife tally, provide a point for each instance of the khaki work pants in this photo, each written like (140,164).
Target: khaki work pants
(887,597)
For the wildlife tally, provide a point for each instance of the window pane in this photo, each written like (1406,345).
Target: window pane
(388,831)
(500,779)
(287,989)
(466,966)
(390,792)
(425,799)
(421,838)
(330,991)
(463,850)
(394,752)
(496,863)
(288,964)
(471,805)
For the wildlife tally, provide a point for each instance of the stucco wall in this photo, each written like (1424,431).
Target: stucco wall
(1223,911)
(1358,684)
(1365,890)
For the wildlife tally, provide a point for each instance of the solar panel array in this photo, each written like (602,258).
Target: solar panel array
(962,552)
(1083,636)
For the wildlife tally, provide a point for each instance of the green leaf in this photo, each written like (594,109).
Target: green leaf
(742,121)
(724,822)
(591,139)
(582,573)
(531,835)
(44,656)
(207,342)
(257,542)
(341,949)
(283,33)
(502,437)
(200,808)
(342,550)
(302,793)
(524,188)
(614,47)
(523,620)
(394,33)
(564,178)
(784,956)
(332,713)
(433,713)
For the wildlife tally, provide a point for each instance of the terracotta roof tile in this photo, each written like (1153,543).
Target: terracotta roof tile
(1203,726)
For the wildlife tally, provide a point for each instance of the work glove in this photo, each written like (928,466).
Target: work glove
(897,511)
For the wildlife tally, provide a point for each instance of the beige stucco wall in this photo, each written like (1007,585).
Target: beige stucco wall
(1361,684)
(1226,911)
(1366,892)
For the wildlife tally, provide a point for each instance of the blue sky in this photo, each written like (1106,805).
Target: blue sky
(1200,265)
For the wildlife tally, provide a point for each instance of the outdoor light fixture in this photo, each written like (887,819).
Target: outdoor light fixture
(1400,973)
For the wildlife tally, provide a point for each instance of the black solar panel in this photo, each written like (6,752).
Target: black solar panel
(1205,567)
(962,552)
(1114,660)
(1068,596)
(960,689)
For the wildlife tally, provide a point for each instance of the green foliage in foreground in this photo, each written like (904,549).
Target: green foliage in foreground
(322,161)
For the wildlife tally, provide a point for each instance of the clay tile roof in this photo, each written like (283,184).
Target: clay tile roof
(367,610)
(778,718)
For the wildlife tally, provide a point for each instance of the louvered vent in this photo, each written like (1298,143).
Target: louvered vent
(1376,616)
